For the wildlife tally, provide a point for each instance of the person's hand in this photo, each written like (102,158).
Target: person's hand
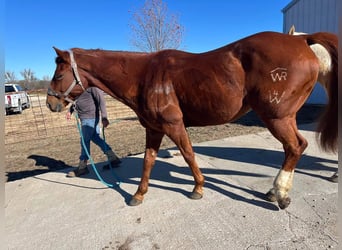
(68,116)
(105,122)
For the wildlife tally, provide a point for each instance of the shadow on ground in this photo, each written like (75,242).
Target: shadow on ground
(44,164)
(167,174)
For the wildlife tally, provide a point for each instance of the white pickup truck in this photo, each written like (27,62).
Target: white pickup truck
(16,99)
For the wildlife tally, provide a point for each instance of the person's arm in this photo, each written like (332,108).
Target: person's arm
(70,111)
(98,94)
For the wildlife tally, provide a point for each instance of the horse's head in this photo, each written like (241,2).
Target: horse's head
(66,83)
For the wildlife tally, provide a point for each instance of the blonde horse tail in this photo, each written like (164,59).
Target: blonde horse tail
(328,76)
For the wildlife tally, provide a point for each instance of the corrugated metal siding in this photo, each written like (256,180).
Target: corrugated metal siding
(311,16)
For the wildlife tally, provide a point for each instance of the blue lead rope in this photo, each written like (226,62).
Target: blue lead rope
(118,182)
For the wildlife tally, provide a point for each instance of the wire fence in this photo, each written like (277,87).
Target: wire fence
(39,122)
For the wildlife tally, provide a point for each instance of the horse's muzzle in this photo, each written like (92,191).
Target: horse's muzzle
(55,108)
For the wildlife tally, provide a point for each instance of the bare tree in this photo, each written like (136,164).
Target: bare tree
(46,78)
(28,75)
(153,29)
(10,77)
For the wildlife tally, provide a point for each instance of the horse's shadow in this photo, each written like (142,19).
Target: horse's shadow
(131,169)
(265,157)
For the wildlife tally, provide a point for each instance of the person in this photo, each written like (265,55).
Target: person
(88,106)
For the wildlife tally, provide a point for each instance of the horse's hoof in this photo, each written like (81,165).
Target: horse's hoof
(195,196)
(284,203)
(270,196)
(135,202)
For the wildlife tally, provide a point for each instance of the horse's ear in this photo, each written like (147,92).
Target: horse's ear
(64,55)
(292,30)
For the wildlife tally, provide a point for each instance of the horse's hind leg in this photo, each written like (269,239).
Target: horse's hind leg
(179,136)
(285,130)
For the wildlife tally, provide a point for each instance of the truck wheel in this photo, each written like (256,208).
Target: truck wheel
(20,107)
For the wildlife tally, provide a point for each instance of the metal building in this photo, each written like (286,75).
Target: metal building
(311,16)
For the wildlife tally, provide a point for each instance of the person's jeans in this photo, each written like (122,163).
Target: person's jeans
(91,132)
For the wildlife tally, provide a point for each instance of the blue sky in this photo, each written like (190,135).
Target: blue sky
(33,27)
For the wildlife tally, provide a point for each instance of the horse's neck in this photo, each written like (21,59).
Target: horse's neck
(120,76)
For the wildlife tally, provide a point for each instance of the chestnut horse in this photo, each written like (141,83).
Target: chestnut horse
(169,90)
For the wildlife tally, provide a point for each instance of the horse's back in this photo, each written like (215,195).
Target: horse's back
(264,69)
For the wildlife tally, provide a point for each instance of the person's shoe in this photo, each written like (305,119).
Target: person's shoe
(333,178)
(115,164)
(113,159)
(81,170)
(78,172)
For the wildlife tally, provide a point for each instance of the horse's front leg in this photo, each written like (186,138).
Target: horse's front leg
(153,140)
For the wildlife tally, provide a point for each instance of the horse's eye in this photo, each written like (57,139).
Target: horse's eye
(58,77)
(59,60)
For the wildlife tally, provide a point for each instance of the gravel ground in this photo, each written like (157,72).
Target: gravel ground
(126,137)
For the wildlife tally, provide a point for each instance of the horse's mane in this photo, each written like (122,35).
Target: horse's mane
(95,52)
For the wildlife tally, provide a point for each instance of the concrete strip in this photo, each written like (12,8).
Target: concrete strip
(50,211)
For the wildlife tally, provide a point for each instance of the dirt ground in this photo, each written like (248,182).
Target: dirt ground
(126,137)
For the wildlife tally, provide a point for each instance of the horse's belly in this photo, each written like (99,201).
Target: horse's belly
(205,115)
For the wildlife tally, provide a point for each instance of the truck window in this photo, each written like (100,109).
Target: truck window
(19,88)
(9,89)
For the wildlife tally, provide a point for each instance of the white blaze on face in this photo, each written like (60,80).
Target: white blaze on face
(283,183)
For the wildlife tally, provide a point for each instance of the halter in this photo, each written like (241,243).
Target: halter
(77,80)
